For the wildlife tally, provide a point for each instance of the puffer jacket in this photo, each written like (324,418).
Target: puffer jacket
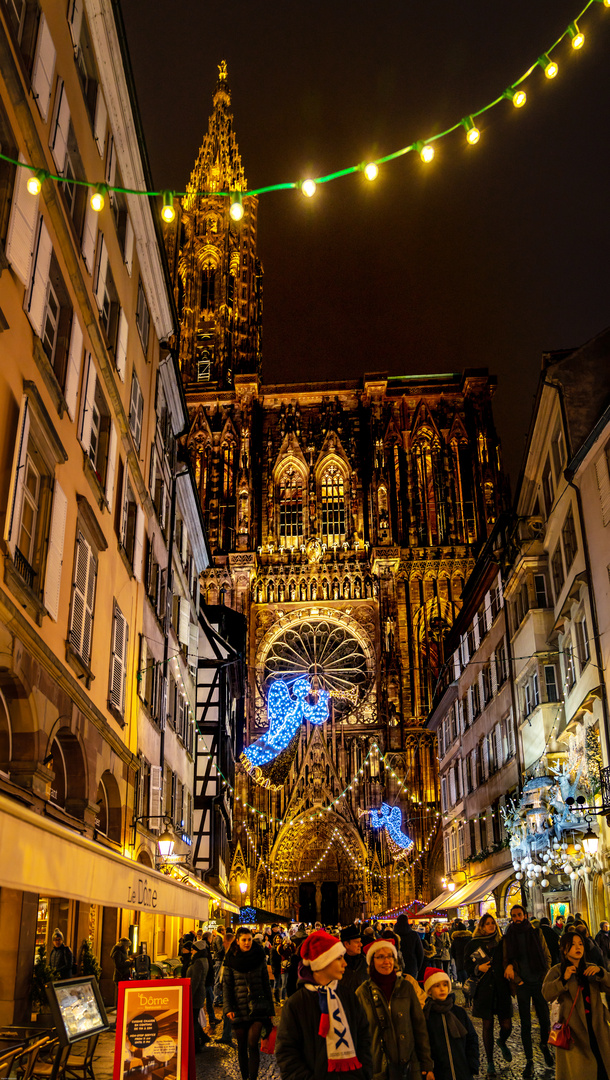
(246,991)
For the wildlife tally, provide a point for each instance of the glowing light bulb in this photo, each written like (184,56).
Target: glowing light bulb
(236,210)
(550,66)
(371,171)
(97,200)
(167,212)
(519,98)
(578,39)
(308,187)
(472,132)
(34,183)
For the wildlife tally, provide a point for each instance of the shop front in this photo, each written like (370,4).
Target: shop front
(52,877)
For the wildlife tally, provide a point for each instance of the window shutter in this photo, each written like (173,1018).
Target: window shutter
(128,250)
(44,66)
(89,237)
(142,669)
(138,547)
(75,19)
(88,400)
(55,553)
(488,617)
(193,644)
(110,175)
(603,483)
(99,125)
(99,281)
(118,661)
(22,226)
(83,598)
(499,747)
(156,797)
(121,345)
(476,632)
(136,407)
(184,543)
(452,791)
(75,355)
(61,128)
(485,753)
(40,279)
(17,477)
(183,624)
(111,465)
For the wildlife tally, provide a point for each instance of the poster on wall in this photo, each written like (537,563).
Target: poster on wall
(154,1030)
(559,911)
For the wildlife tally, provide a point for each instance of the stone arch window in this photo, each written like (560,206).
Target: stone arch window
(290,506)
(69,786)
(208,287)
(332,504)
(202,470)
(108,820)
(228,470)
(461,455)
(431,524)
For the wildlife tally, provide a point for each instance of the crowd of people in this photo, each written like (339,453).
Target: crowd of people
(380,1001)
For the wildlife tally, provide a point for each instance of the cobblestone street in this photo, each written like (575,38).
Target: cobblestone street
(218,1062)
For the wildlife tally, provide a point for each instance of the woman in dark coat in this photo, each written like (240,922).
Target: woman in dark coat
(484,961)
(247,999)
(196,972)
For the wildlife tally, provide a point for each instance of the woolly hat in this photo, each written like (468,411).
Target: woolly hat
(375,946)
(320,949)
(348,933)
(433,976)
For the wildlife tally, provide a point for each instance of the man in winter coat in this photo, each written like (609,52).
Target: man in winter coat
(460,936)
(197,972)
(356,969)
(411,947)
(60,957)
(323,1030)
(526,962)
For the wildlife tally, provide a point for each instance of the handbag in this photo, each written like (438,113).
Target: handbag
(470,986)
(397,1070)
(560,1035)
(268,1043)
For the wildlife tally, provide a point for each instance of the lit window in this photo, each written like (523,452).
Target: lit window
(290,497)
(333,505)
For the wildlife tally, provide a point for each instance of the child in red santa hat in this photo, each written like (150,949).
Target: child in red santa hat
(323,1030)
(453,1040)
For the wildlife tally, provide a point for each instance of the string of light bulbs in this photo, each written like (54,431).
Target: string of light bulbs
(425,148)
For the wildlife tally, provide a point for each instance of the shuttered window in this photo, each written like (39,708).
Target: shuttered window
(44,67)
(60,128)
(75,19)
(55,553)
(22,226)
(89,237)
(136,408)
(121,345)
(602,471)
(118,660)
(36,299)
(156,797)
(99,124)
(83,598)
(75,358)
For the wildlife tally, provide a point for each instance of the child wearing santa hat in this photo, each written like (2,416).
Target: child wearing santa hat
(453,1040)
(323,1030)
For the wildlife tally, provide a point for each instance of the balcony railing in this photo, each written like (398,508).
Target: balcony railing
(23,568)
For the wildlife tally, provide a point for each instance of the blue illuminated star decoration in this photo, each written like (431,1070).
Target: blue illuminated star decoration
(390,818)
(268,760)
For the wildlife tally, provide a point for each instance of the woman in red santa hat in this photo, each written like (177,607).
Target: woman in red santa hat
(323,1030)
(401,1048)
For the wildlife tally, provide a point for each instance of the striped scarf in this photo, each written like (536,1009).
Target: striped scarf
(334,1027)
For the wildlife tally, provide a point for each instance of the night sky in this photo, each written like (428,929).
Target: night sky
(487,257)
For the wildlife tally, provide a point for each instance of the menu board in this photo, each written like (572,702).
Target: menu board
(154,1030)
(77,1008)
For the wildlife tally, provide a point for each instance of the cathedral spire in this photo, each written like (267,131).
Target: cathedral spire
(218,166)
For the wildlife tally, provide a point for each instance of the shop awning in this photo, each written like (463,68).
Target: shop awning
(478,888)
(435,905)
(39,856)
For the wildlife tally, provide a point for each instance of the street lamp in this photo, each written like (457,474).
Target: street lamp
(451,886)
(590,842)
(165,844)
(243,888)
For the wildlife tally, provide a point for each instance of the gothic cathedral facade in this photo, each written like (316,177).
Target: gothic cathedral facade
(343,519)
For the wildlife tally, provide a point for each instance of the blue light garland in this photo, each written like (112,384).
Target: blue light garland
(390,818)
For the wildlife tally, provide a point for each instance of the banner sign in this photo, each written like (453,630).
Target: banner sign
(154,1030)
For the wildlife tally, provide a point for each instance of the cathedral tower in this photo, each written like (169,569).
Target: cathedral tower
(217,273)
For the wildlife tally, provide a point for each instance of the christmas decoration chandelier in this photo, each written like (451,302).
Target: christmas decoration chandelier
(425,148)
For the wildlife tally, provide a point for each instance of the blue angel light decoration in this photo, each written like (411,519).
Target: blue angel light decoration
(390,818)
(268,760)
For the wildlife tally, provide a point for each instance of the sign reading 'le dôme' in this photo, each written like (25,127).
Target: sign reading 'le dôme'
(141,894)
